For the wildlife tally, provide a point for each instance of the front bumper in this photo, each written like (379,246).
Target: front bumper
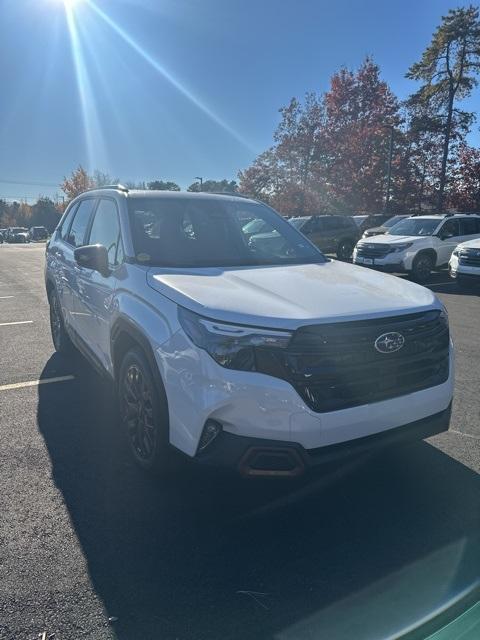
(259,406)
(456,269)
(394,262)
(259,457)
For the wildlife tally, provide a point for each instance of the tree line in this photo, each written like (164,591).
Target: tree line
(332,151)
(355,148)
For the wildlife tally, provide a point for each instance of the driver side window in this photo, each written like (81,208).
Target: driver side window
(106,231)
(451,229)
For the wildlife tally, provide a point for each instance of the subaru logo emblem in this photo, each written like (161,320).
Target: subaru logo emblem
(389,342)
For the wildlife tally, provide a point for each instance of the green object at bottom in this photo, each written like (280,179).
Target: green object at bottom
(465,627)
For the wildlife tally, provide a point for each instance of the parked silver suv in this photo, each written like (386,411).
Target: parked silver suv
(268,358)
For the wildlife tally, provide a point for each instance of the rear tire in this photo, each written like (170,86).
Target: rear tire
(345,249)
(422,267)
(60,338)
(143,413)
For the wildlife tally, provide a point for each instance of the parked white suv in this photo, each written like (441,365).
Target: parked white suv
(268,359)
(418,244)
(464,264)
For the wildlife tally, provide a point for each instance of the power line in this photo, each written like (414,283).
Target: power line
(34,184)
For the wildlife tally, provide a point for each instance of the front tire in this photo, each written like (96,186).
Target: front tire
(60,338)
(422,267)
(143,413)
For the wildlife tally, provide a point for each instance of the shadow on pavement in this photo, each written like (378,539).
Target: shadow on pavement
(374,548)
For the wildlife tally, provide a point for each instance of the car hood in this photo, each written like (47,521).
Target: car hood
(389,239)
(375,230)
(289,296)
(470,244)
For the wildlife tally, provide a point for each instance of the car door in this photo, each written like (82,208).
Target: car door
(314,231)
(73,237)
(449,236)
(330,234)
(96,291)
(469,228)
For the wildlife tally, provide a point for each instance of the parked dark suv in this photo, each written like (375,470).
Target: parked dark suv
(331,234)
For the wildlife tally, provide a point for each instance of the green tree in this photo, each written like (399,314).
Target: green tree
(161,185)
(448,70)
(214,186)
(45,214)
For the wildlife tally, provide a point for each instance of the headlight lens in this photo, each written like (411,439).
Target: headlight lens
(400,247)
(455,252)
(232,346)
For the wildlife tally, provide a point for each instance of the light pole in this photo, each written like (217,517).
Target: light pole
(389,173)
(200,179)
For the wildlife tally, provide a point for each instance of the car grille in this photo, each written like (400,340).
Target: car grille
(368,250)
(336,366)
(470,257)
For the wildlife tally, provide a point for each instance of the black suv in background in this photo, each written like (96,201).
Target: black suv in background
(331,234)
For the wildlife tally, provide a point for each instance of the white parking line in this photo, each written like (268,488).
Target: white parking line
(9,324)
(35,383)
(5,297)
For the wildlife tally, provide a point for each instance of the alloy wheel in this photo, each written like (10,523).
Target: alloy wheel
(139,414)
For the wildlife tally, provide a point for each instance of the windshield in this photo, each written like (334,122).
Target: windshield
(298,223)
(19,230)
(415,227)
(392,221)
(190,232)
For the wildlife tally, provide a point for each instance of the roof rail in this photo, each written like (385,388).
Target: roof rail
(113,187)
(228,193)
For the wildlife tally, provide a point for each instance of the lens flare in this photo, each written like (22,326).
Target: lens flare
(92,127)
(168,76)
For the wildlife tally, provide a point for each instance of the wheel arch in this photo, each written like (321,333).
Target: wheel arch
(125,336)
(429,252)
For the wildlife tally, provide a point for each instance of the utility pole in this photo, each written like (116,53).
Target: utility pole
(389,173)
(200,179)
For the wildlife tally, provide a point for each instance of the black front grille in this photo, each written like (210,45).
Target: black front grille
(372,250)
(336,366)
(470,257)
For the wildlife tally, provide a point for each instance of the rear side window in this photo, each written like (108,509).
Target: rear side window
(470,226)
(330,224)
(78,229)
(106,230)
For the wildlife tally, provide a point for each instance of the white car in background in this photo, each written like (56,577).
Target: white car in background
(464,265)
(418,244)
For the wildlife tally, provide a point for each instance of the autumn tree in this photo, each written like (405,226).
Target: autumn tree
(77,183)
(161,185)
(448,70)
(360,109)
(465,192)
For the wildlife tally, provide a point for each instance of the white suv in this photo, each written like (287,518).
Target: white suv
(464,264)
(417,244)
(268,359)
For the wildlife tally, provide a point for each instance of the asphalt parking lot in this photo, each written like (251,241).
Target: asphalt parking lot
(357,552)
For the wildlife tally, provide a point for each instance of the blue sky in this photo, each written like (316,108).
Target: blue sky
(174,89)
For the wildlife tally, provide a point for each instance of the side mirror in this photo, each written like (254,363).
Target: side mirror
(445,235)
(93,256)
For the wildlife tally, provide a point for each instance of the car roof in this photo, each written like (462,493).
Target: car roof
(133,194)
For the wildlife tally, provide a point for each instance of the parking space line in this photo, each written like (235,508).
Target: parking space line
(35,383)
(5,297)
(467,435)
(9,324)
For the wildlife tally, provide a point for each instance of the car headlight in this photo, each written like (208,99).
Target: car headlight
(232,346)
(456,252)
(400,247)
